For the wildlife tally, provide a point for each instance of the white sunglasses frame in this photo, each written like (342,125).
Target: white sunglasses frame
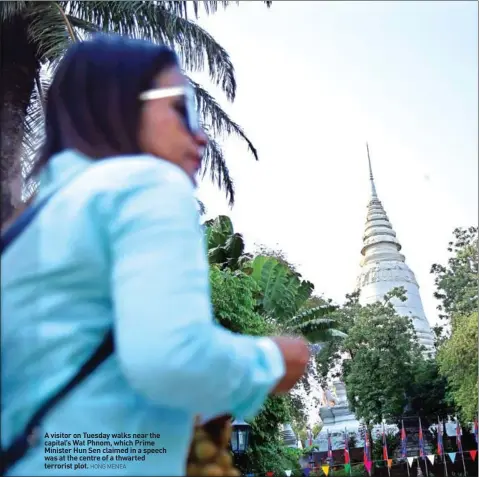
(159,93)
(187,92)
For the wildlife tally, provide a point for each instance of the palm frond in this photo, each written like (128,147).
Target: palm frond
(315,334)
(210,7)
(33,133)
(154,21)
(317,330)
(54,25)
(181,7)
(49,29)
(309,314)
(214,162)
(10,9)
(215,117)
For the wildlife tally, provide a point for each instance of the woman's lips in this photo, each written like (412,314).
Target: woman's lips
(199,156)
(197,162)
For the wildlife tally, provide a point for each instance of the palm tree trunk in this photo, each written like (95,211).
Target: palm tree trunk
(19,66)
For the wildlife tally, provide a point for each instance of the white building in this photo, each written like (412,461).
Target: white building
(383,267)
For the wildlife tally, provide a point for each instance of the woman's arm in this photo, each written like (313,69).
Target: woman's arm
(168,345)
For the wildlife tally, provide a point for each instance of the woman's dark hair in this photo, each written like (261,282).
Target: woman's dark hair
(93,104)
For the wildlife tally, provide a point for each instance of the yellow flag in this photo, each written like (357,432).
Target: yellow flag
(325,469)
(390,463)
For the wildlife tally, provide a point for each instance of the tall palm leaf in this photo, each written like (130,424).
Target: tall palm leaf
(315,324)
(283,300)
(35,34)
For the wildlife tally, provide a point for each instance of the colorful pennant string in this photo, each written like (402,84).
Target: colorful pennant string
(368,465)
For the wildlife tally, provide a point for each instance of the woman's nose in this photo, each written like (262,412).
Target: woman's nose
(201,138)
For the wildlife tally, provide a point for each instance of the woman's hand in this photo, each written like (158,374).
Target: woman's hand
(296,355)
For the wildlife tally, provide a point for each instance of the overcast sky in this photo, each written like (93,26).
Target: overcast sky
(316,80)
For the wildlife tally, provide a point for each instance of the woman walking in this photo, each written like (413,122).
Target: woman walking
(112,252)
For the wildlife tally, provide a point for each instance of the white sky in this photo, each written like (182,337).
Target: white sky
(316,80)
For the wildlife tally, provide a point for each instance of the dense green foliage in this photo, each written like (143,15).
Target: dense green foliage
(384,351)
(456,283)
(382,363)
(261,295)
(427,393)
(226,249)
(234,302)
(458,362)
(457,290)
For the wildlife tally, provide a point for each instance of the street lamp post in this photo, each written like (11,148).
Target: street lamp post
(240,436)
(239,442)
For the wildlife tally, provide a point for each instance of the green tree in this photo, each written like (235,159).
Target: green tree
(376,334)
(383,350)
(263,295)
(329,358)
(234,305)
(456,282)
(36,34)
(427,391)
(234,302)
(378,375)
(385,371)
(226,249)
(283,298)
(456,288)
(458,362)
(267,452)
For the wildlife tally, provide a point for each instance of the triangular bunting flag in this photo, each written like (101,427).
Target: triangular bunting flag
(249,475)
(452,456)
(473,454)
(410,461)
(431,458)
(390,463)
(269,474)
(325,469)
(288,473)
(347,468)
(368,466)
(306,471)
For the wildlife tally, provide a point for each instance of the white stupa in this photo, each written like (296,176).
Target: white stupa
(383,267)
(338,419)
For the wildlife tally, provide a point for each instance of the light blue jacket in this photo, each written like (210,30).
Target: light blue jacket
(120,244)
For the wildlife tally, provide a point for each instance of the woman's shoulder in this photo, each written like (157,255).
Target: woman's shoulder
(135,189)
(130,172)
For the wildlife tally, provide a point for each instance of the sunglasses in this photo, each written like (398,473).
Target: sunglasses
(187,107)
